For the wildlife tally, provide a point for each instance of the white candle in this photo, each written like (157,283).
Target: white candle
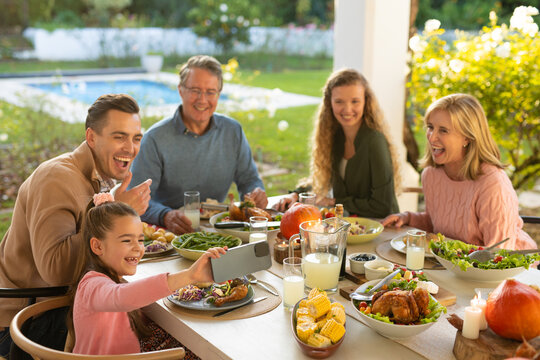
(471,324)
(481,304)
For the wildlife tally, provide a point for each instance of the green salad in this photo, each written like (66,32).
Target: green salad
(458,252)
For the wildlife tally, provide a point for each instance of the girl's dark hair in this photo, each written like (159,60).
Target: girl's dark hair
(98,221)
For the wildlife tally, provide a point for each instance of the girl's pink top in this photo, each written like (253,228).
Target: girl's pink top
(100,312)
(480,212)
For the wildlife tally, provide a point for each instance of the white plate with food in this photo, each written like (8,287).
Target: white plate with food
(362,230)
(242,233)
(391,328)
(154,248)
(399,243)
(204,304)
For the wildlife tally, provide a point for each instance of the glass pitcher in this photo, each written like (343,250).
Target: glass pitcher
(322,243)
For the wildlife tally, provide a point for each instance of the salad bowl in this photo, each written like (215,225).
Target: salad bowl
(362,230)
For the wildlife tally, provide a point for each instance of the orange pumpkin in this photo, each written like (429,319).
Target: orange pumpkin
(513,310)
(297,214)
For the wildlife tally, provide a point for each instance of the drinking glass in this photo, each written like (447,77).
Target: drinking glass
(293,281)
(307,198)
(416,242)
(257,228)
(192,208)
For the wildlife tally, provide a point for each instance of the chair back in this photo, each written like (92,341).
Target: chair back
(41,352)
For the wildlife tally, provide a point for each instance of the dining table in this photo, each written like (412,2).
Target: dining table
(270,335)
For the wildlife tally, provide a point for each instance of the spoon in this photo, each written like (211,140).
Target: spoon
(369,295)
(253,280)
(485,254)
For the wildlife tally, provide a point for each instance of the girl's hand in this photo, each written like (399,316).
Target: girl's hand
(397,220)
(201,270)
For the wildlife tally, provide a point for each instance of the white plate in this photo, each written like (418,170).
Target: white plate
(167,251)
(392,331)
(476,274)
(244,235)
(205,306)
(400,244)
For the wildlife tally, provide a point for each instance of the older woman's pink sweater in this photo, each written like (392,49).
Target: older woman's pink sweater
(100,312)
(480,212)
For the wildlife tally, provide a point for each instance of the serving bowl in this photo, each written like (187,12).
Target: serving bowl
(372,229)
(239,233)
(193,254)
(357,266)
(377,269)
(312,351)
(476,274)
(392,331)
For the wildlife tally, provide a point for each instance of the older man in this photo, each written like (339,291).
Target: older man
(196,149)
(41,246)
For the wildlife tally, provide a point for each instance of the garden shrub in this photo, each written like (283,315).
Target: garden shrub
(501,67)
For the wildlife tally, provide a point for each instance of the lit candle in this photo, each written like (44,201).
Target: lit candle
(471,324)
(481,304)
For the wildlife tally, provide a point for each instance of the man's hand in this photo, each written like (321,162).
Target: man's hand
(138,197)
(259,196)
(286,202)
(177,222)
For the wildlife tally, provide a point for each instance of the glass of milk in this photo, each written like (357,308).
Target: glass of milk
(258,228)
(192,208)
(293,281)
(416,250)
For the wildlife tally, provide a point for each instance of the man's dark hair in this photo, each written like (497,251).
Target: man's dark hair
(96,113)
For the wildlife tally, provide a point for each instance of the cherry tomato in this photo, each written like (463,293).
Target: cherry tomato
(497,259)
(330,215)
(480,248)
(362,309)
(363,304)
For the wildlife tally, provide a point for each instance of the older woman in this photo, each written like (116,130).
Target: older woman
(352,153)
(467,193)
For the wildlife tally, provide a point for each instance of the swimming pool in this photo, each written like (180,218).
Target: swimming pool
(146,92)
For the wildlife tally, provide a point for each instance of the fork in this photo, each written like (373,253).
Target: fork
(369,295)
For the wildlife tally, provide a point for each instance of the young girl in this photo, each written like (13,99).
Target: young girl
(105,307)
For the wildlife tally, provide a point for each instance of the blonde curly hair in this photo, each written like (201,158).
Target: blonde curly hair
(326,126)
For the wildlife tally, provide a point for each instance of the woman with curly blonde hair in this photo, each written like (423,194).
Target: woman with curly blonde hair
(468,195)
(352,153)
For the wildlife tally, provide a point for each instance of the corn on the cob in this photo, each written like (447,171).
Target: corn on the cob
(314,292)
(319,305)
(318,340)
(305,330)
(337,314)
(333,330)
(305,319)
(303,303)
(338,305)
(321,323)
(302,311)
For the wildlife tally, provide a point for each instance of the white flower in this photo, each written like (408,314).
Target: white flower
(461,46)
(456,65)
(431,63)
(283,125)
(522,20)
(251,117)
(432,25)
(240,19)
(4,136)
(492,16)
(256,22)
(503,51)
(223,7)
(271,108)
(223,18)
(496,35)
(227,76)
(530,29)
(433,92)
(416,44)
(246,23)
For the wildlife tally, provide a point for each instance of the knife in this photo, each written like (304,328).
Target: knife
(209,206)
(241,224)
(248,303)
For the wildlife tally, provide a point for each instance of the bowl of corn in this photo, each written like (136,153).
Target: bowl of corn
(318,324)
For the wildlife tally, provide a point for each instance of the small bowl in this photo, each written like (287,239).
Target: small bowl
(377,269)
(357,266)
(312,351)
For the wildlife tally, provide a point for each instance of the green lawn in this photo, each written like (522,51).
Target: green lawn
(5,220)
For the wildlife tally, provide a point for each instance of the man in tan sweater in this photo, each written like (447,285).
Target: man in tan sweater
(42,244)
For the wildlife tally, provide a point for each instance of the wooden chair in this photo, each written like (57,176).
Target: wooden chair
(38,351)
